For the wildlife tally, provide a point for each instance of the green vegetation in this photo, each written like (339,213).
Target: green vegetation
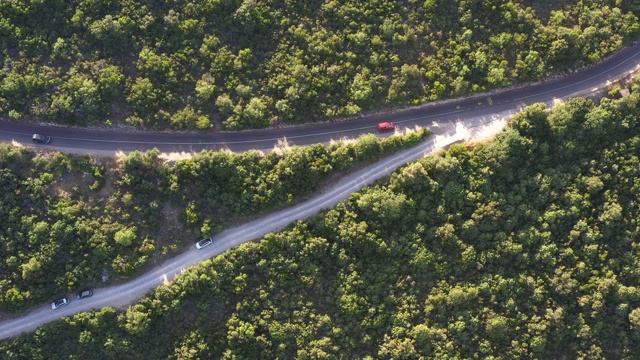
(253,63)
(67,221)
(524,247)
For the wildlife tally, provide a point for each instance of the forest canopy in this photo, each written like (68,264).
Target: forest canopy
(236,64)
(523,247)
(74,221)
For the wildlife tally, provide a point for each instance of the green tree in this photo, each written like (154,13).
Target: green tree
(125,237)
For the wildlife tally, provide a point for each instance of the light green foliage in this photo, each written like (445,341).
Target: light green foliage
(125,237)
(205,89)
(137,320)
(187,118)
(143,96)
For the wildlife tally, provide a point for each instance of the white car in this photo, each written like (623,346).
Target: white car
(59,303)
(204,242)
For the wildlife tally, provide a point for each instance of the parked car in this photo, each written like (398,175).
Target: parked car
(59,303)
(41,139)
(387,125)
(84,294)
(204,242)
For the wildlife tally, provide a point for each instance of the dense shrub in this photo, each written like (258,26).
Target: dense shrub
(251,64)
(67,221)
(523,247)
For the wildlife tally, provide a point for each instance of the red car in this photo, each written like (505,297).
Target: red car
(384,126)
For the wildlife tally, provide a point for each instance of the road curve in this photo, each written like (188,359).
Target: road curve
(461,120)
(110,141)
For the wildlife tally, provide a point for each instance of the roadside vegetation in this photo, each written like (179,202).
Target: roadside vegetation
(73,221)
(523,247)
(256,63)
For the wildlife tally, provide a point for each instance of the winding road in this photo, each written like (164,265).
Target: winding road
(111,140)
(462,120)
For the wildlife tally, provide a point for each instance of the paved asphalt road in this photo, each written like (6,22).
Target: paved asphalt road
(451,122)
(109,141)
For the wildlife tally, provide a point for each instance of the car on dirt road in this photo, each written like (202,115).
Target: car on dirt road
(59,303)
(84,294)
(204,242)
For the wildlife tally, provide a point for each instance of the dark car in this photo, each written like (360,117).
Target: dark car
(204,242)
(387,125)
(59,303)
(84,294)
(41,139)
